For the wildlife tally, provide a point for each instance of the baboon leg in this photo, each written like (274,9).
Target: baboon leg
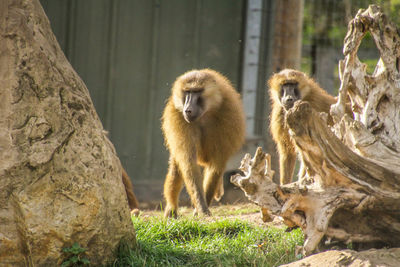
(172,189)
(212,183)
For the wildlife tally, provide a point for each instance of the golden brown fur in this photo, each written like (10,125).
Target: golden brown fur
(208,141)
(132,201)
(310,91)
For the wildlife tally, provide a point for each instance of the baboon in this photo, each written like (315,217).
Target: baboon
(285,88)
(132,201)
(203,125)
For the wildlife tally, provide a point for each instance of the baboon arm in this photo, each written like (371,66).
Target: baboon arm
(286,149)
(193,180)
(287,160)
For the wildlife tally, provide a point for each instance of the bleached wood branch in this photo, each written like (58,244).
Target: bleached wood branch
(352,188)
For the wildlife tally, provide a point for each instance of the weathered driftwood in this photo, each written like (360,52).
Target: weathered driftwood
(352,189)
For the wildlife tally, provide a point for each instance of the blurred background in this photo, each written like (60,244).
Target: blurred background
(129,52)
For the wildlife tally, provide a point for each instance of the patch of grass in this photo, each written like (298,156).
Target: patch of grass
(190,241)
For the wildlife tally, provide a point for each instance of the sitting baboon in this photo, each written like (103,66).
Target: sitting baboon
(285,88)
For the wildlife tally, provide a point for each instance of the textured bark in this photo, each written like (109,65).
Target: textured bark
(287,34)
(352,189)
(60,176)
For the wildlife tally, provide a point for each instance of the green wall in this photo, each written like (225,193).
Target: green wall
(129,52)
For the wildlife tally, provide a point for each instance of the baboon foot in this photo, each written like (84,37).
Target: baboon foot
(170,213)
(205,212)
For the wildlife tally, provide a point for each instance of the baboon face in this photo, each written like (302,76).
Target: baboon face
(193,104)
(289,94)
(196,93)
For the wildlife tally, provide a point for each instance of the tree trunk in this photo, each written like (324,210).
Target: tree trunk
(60,176)
(352,189)
(287,34)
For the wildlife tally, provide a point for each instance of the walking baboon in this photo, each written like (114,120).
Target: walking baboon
(203,125)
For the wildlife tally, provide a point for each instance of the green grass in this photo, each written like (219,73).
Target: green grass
(191,241)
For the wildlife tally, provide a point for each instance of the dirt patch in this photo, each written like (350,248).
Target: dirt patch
(150,195)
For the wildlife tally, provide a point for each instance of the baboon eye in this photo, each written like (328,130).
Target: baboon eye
(200,101)
(296,93)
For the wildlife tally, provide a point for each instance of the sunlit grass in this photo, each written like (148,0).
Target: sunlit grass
(198,242)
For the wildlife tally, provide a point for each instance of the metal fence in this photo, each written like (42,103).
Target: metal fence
(129,52)
(324,28)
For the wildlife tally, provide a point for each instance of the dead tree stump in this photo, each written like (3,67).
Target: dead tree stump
(353,168)
(60,178)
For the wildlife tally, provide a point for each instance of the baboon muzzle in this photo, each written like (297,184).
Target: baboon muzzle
(191,108)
